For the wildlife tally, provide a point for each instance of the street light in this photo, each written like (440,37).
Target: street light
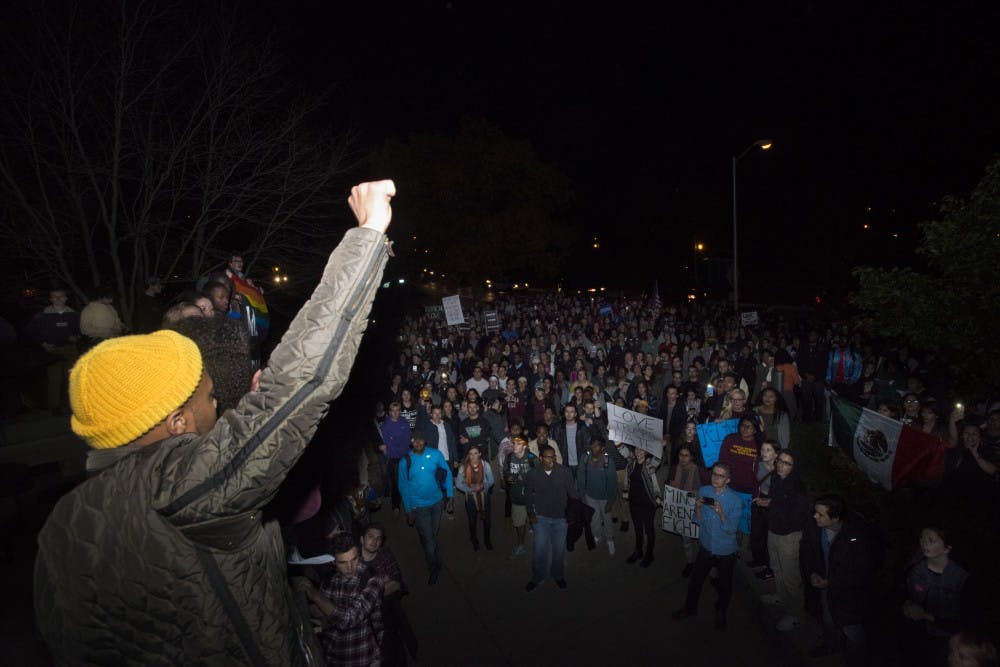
(763,144)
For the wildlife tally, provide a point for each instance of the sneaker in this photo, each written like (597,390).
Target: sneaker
(518,551)
(561,583)
(475,545)
(488,545)
(681,614)
(771,598)
(787,623)
(633,557)
(646,561)
(766,574)
(688,569)
(530,586)
(611,548)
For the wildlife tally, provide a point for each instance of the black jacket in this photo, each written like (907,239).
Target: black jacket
(582,440)
(850,572)
(678,418)
(789,509)
(548,495)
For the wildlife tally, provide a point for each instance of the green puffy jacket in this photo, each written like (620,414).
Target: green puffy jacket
(162,558)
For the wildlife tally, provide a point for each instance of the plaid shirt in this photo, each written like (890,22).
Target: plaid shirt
(354,630)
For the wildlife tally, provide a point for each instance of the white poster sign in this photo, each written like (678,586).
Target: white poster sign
(749,318)
(678,512)
(635,428)
(453,310)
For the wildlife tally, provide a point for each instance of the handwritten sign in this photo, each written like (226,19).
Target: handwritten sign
(749,318)
(453,310)
(678,512)
(711,435)
(635,428)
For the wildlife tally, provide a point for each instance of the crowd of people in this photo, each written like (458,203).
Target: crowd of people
(191,441)
(521,409)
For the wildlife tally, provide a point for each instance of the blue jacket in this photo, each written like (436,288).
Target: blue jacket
(396,435)
(419,485)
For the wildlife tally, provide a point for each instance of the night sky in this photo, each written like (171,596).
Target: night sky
(884,108)
(876,111)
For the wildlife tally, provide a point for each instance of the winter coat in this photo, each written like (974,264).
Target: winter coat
(849,574)
(163,558)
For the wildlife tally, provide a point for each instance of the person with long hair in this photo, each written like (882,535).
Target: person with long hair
(688,477)
(740,451)
(758,510)
(475,480)
(644,496)
(734,405)
(774,417)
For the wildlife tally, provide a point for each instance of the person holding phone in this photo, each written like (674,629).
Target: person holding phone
(718,511)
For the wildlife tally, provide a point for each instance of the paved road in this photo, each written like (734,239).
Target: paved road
(611,612)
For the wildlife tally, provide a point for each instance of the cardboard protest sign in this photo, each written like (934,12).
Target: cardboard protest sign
(710,437)
(678,512)
(453,310)
(635,428)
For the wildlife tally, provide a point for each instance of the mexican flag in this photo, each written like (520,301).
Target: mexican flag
(891,453)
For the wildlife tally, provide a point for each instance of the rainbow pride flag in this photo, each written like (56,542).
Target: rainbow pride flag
(255,311)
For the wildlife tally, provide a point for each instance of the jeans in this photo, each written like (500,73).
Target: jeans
(703,564)
(550,534)
(427,520)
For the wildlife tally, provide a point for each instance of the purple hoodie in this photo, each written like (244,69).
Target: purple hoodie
(396,436)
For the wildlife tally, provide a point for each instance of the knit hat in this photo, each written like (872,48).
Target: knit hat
(125,386)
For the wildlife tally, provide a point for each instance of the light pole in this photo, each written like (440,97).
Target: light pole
(764,144)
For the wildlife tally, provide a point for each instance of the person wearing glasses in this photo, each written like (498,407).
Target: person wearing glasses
(717,512)
(788,511)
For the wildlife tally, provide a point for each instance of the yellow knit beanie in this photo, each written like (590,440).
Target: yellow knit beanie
(125,386)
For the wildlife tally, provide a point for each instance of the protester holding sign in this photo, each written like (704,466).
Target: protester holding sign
(643,494)
(688,478)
